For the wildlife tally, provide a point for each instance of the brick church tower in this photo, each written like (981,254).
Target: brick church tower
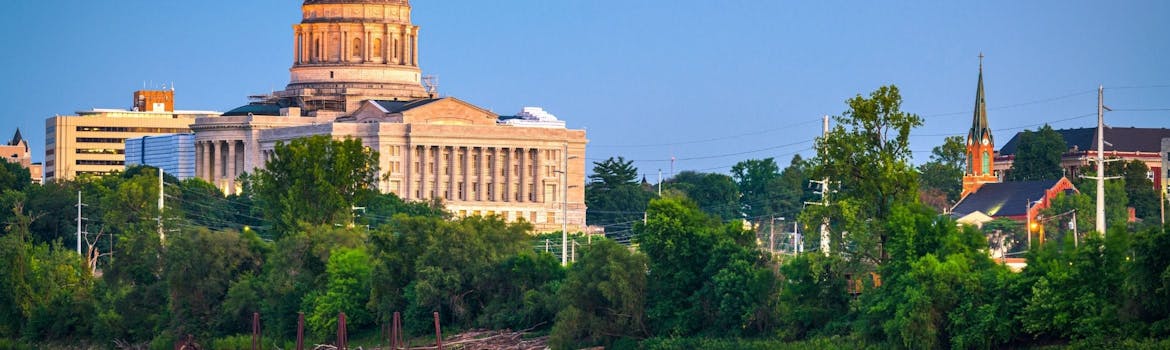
(980,145)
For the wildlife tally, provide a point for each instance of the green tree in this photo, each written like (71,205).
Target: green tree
(1139,189)
(315,180)
(813,300)
(429,264)
(716,194)
(753,177)
(867,156)
(940,289)
(297,267)
(790,190)
(200,266)
(706,277)
(613,196)
(944,171)
(13,176)
(1038,155)
(1076,293)
(347,290)
(604,298)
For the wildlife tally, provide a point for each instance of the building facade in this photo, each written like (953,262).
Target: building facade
(356,75)
(17,151)
(94,141)
(173,153)
(1125,143)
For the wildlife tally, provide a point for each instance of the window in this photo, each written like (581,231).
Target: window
(378,48)
(986,164)
(550,217)
(100,162)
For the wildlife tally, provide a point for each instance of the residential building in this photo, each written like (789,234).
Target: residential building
(173,153)
(356,74)
(94,141)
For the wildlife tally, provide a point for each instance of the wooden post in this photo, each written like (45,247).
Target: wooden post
(255,331)
(438,332)
(300,331)
(342,342)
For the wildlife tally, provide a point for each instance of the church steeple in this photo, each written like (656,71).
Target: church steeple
(980,144)
(979,126)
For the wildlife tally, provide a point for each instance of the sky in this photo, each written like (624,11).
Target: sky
(709,83)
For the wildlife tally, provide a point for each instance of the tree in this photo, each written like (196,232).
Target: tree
(347,290)
(200,266)
(753,177)
(939,290)
(867,156)
(604,298)
(706,277)
(716,194)
(317,181)
(613,196)
(1138,187)
(790,189)
(944,171)
(1038,155)
(13,176)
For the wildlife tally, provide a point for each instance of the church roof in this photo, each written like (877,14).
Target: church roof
(1003,198)
(16,139)
(1129,139)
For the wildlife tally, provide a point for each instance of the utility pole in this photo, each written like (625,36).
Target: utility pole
(79,222)
(660,182)
(824,195)
(161,235)
(772,235)
(1073,225)
(1101,160)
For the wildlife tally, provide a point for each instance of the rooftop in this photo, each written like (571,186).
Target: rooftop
(1003,198)
(1123,139)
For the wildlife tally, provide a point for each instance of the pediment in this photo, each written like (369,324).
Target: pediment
(449,111)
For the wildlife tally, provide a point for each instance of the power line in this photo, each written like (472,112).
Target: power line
(715,155)
(710,139)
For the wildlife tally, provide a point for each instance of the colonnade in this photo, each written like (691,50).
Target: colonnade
(481,174)
(220,160)
(380,44)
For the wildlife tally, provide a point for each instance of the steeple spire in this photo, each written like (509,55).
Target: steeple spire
(979,127)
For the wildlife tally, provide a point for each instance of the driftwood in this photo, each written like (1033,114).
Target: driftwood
(481,339)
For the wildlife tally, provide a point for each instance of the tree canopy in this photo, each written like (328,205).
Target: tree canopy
(1038,155)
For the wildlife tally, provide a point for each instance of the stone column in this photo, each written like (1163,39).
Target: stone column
(414,50)
(539,175)
(452,185)
(466,151)
(422,174)
(209,157)
(231,166)
(438,172)
(521,177)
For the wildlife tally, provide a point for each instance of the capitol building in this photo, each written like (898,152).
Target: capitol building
(355,74)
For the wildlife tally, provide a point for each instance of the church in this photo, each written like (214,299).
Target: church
(356,74)
(985,196)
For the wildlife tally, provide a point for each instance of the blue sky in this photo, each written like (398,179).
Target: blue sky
(707,82)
